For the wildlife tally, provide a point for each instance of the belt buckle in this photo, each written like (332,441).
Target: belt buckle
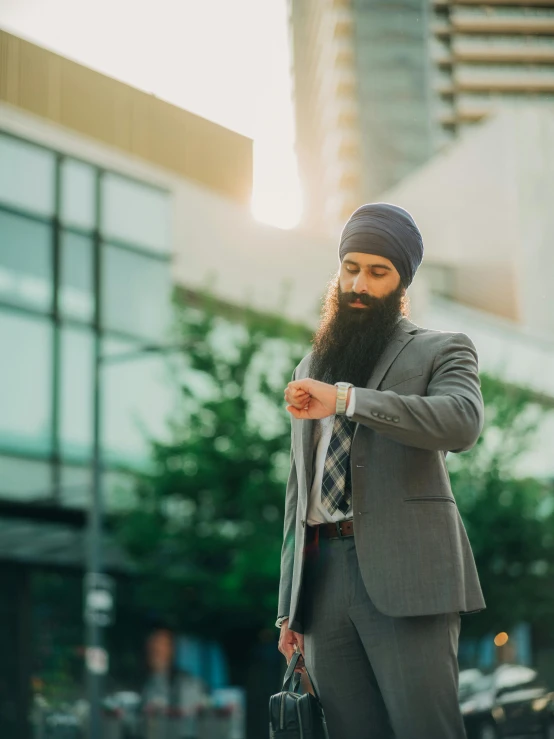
(339,532)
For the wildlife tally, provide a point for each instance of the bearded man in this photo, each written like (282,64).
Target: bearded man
(376,565)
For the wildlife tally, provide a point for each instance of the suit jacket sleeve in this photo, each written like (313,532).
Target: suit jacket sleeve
(287,551)
(448,418)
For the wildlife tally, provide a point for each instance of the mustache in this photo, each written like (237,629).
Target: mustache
(364,298)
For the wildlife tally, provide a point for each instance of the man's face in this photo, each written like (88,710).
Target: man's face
(363,275)
(359,316)
(160,650)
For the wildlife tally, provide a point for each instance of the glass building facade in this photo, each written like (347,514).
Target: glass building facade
(84,266)
(84,258)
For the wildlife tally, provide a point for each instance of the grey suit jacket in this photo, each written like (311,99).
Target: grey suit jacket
(422,400)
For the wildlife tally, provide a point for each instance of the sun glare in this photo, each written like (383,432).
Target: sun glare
(234,72)
(277,196)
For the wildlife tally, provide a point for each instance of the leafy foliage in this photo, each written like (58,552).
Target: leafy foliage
(509,518)
(207,531)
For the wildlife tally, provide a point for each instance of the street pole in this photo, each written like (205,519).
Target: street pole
(94,563)
(93,633)
(96,658)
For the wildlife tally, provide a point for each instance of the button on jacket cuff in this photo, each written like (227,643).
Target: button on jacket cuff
(449,417)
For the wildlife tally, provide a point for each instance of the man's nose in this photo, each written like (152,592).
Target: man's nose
(360,283)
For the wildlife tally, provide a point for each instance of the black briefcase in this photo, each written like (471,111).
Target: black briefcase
(295,716)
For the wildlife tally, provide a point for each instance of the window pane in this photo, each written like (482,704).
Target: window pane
(27,176)
(76,288)
(25,261)
(135,293)
(77,349)
(138,397)
(25,382)
(118,489)
(135,213)
(76,485)
(78,196)
(24,479)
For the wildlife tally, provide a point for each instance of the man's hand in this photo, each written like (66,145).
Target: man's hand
(296,396)
(311,399)
(288,640)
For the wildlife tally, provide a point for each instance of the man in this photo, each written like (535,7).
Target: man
(171,699)
(376,565)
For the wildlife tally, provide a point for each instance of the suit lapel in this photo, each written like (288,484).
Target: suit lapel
(401,337)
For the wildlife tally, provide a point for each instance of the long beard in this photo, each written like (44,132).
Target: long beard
(350,341)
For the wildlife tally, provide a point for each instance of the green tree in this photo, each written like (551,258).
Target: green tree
(509,517)
(207,530)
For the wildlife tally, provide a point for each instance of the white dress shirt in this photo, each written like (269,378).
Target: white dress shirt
(317,513)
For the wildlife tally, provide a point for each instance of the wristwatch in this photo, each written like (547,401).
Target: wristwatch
(342,395)
(280,621)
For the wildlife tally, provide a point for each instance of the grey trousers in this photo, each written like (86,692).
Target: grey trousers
(378,677)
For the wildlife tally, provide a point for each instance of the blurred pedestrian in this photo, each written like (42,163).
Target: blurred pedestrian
(171,699)
(158,691)
(376,564)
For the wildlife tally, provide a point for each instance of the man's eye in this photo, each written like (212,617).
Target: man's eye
(379,274)
(352,270)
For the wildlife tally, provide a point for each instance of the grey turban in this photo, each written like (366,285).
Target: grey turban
(388,231)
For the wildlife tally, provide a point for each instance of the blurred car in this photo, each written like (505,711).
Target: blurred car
(54,722)
(466,682)
(124,707)
(62,724)
(511,701)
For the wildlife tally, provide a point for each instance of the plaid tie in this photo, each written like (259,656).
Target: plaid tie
(336,489)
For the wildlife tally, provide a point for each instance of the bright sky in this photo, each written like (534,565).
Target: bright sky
(227,60)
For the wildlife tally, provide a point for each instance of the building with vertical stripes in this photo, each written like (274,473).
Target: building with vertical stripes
(380,86)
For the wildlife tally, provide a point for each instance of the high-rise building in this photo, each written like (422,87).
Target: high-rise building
(486,53)
(381,86)
(361,86)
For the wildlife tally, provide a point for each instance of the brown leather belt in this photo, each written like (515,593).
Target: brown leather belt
(336,530)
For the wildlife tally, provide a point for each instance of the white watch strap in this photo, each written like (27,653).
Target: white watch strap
(342,396)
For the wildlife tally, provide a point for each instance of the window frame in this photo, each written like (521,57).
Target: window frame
(57,320)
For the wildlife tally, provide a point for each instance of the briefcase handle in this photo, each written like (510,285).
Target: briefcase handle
(292,678)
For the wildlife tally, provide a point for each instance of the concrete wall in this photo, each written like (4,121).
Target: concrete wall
(534,264)
(458,197)
(484,208)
